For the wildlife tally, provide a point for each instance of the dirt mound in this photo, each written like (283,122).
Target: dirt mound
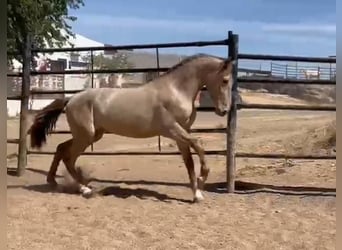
(319,94)
(314,140)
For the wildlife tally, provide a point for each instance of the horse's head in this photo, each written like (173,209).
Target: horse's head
(219,84)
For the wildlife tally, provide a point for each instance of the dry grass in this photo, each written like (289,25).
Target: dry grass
(313,140)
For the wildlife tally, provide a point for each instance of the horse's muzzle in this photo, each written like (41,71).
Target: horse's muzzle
(221,112)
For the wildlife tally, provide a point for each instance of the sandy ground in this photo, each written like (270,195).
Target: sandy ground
(147,201)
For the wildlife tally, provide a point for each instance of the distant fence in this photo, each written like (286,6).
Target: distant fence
(296,71)
(230,152)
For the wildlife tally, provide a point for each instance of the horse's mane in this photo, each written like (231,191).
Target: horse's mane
(187,60)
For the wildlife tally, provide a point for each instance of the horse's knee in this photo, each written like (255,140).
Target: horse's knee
(63,146)
(198,143)
(60,147)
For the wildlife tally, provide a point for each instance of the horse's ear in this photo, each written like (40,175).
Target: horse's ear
(226,62)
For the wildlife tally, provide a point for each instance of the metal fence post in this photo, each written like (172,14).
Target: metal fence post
(233,41)
(25,96)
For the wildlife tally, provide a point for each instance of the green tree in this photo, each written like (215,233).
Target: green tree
(46,21)
(116,61)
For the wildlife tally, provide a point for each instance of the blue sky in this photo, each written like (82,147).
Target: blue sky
(289,27)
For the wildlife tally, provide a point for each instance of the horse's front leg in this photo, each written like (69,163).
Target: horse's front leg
(190,166)
(180,135)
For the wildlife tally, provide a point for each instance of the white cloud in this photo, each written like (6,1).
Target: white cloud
(252,34)
(299,29)
(209,26)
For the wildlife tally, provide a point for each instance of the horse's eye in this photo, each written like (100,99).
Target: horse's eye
(225,80)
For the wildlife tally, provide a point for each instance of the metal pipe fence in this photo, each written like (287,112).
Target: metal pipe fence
(232,42)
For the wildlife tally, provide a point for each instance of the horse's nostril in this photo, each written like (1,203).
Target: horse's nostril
(223,112)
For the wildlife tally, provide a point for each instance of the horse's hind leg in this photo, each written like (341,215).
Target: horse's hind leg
(60,151)
(76,148)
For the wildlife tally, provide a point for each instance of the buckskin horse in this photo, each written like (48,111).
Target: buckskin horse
(164,106)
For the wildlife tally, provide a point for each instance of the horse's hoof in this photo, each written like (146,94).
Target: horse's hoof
(51,181)
(86,192)
(197,200)
(198,196)
(87,195)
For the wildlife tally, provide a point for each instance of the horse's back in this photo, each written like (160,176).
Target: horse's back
(129,112)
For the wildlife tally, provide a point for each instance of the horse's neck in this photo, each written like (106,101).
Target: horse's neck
(189,81)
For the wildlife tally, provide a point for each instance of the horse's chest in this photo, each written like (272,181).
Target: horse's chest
(179,108)
(183,113)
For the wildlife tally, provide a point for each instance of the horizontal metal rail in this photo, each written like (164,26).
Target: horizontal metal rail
(18,74)
(12,141)
(15,98)
(201,109)
(209,152)
(145,70)
(74,91)
(52,92)
(251,105)
(288,107)
(285,81)
(98,71)
(285,156)
(135,46)
(194,130)
(140,70)
(287,58)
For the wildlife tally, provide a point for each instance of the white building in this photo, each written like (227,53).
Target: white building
(66,60)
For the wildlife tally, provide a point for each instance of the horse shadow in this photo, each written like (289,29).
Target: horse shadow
(116,191)
(140,193)
(241,187)
(107,190)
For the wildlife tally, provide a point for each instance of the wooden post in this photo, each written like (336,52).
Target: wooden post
(232,116)
(25,95)
(158,66)
(92,83)
(92,67)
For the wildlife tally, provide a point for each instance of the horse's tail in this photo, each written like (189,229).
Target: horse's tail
(45,121)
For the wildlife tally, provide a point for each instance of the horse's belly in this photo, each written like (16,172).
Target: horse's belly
(131,131)
(134,126)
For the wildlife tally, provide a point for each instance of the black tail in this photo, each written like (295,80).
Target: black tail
(45,122)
